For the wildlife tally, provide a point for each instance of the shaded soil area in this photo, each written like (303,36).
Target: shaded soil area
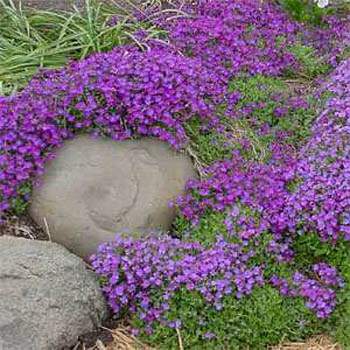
(22,226)
(103,336)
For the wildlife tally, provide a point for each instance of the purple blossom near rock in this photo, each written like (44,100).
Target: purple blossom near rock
(260,187)
(128,92)
(119,94)
(137,270)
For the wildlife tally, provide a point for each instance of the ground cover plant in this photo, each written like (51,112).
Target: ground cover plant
(259,252)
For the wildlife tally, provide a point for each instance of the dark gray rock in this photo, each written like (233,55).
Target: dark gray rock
(95,188)
(47,296)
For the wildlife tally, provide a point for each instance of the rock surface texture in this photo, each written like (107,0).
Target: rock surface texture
(47,296)
(96,188)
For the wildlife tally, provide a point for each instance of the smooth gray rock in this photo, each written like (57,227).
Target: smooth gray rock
(95,188)
(47,296)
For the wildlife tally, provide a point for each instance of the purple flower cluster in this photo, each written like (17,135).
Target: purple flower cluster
(235,36)
(238,184)
(282,251)
(143,275)
(319,292)
(322,201)
(328,275)
(331,40)
(119,94)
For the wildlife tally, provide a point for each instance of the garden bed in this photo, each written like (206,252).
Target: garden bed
(257,94)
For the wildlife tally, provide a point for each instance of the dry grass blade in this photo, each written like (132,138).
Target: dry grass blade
(20,227)
(123,340)
(198,164)
(33,39)
(100,345)
(181,347)
(316,343)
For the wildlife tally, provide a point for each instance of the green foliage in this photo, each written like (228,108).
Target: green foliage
(33,39)
(311,66)
(341,330)
(209,146)
(305,11)
(20,204)
(268,93)
(309,250)
(272,93)
(264,318)
(206,232)
(257,88)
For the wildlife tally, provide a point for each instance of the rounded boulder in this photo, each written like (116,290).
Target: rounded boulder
(48,298)
(94,188)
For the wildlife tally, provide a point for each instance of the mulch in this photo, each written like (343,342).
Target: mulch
(320,342)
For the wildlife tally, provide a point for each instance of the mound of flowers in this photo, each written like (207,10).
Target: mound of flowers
(146,276)
(231,36)
(119,94)
(322,202)
(127,92)
(168,264)
(266,206)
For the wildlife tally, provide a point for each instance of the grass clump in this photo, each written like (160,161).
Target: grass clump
(270,102)
(209,228)
(36,39)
